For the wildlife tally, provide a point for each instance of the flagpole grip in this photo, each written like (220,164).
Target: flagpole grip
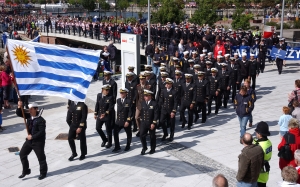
(18,93)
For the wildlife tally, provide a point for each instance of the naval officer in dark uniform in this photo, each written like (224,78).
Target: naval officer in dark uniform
(124,118)
(187,100)
(202,93)
(168,103)
(34,141)
(149,117)
(103,114)
(76,119)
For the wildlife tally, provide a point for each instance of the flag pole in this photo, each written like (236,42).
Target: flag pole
(18,93)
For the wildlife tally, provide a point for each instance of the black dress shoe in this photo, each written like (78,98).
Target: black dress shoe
(103,143)
(127,148)
(183,125)
(42,176)
(189,127)
(163,138)
(72,157)
(134,130)
(116,149)
(143,152)
(208,114)
(138,134)
(152,151)
(82,157)
(203,121)
(170,139)
(108,145)
(25,173)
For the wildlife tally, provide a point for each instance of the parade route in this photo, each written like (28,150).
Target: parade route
(192,159)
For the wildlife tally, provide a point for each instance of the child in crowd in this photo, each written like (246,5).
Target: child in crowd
(284,121)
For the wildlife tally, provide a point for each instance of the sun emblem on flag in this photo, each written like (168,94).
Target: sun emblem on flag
(22,56)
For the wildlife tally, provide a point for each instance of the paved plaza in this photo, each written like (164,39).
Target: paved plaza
(192,159)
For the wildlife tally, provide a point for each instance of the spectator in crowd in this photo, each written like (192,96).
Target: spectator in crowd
(293,138)
(290,176)
(297,162)
(111,48)
(296,112)
(1,99)
(251,160)
(219,47)
(284,121)
(294,93)
(6,85)
(252,94)
(220,181)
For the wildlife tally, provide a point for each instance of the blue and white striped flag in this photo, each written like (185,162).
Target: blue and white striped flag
(36,39)
(54,70)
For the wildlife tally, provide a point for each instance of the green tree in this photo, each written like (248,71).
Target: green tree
(170,11)
(205,14)
(122,4)
(241,20)
(89,4)
(104,5)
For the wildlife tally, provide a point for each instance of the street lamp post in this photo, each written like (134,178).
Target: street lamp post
(149,22)
(282,16)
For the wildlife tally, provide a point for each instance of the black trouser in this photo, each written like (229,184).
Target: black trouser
(143,134)
(253,79)
(279,63)
(38,148)
(99,125)
(216,99)
(82,138)
(165,118)
(185,105)
(201,108)
(79,31)
(224,94)
(133,117)
(144,41)
(117,129)
(234,87)
(74,30)
(262,61)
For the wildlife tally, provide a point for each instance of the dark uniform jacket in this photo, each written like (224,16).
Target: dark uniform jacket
(168,101)
(202,90)
(253,67)
(225,79)
(77,114)
(152,85)
(36,126)
(244,68)
(149,113)
(104,105)
(132,90)
(214,84)
(161,87)
(234,73)
(188,95)
(113,89)
(124,111)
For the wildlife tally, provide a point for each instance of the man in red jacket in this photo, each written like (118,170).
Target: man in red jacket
(219,47)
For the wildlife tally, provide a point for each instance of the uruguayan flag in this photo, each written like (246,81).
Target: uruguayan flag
(54,70)
(36,39)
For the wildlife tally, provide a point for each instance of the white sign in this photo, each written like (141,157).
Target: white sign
(130,54)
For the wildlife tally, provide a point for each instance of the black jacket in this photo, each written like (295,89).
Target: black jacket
(104,105)
(113,89)
(202,90)
(168,101)
(77,114)
(36,126)
(149,114)
(124,111)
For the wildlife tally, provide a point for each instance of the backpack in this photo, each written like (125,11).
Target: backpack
(290,105)
(285,152)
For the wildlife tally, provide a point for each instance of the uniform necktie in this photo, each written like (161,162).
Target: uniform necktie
(223,72)
(122,101)
(231,66)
